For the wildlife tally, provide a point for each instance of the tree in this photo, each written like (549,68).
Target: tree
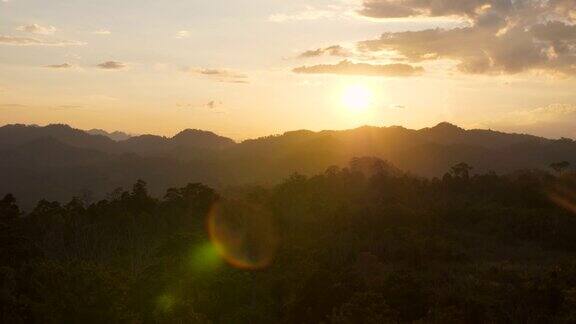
(461,170)
(332,170)
(139,190)
(370,166)
(8,208)
(559,167)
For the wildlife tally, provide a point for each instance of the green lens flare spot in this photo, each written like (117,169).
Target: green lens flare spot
(166,303)
(205,258)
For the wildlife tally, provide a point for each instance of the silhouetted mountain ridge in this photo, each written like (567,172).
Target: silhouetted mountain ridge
(18,134)
(75,161)
(116,135)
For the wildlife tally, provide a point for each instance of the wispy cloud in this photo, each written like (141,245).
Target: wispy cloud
(212,104)
(309,13)
(346,67)
(551,113)
(29,41)
(334,50)
(101,98)
(37,29)
(554,120)
(59,66)
(220,75)
(102,32)
(112,65)
(182,34)
(338,11)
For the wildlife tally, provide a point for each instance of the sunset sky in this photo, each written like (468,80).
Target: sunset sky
(248,68)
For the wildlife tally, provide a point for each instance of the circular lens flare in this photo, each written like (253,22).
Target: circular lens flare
(243,236)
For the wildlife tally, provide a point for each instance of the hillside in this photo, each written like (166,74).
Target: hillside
(77,162)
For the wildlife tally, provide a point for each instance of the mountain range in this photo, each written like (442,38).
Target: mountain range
(117,135)
(57,161)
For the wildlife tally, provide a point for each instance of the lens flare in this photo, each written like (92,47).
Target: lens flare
(244,236)
(563,195)
(165,303)
(205,258)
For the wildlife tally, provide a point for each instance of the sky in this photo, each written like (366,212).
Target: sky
(250,68)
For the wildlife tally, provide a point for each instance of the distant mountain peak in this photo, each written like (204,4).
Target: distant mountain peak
(116,135)
(447,126)
(15,135)
(201,138)
(298,132)
(62,126)
(195,132)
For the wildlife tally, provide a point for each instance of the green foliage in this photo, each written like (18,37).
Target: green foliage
(364,244)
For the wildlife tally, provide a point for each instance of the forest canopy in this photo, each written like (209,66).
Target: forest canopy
(366,243)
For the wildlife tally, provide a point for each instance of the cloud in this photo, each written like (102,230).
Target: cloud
(212,104)
(101,98)
(234,81)
(102,32)
(431,8)
(502,36)
(335,50)
(37,29)
(182,34)
(28,41)
(307,13)
(554,120)
(220,75)
(59,66)
(551,113)
(112,65)
(346,67)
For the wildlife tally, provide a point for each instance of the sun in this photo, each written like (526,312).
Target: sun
(357,97)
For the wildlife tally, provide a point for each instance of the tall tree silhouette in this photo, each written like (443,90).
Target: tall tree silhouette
(8,209)
(560,167)
(461,170)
